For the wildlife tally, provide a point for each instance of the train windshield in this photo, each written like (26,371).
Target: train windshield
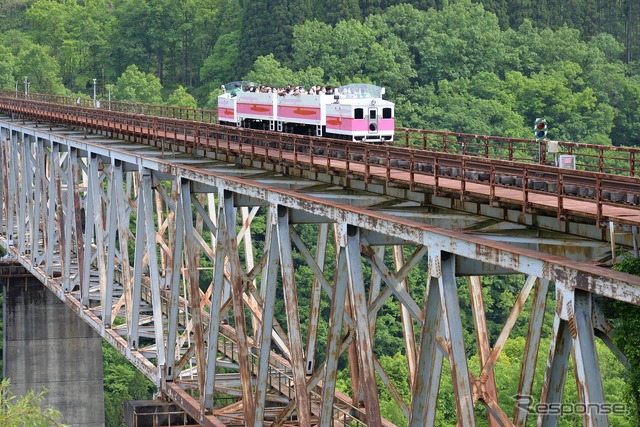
(360,90)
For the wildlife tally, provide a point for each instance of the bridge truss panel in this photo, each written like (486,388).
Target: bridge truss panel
(182,263)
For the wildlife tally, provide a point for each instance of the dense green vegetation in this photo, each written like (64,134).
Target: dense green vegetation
(25,410)
(485,67)
(121,382)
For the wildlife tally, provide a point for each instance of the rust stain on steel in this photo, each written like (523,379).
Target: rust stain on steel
(573,327)
(190,405)
(559,301)
(91,319)
(504,254)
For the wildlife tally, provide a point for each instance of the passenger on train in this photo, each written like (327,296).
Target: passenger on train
(235,90)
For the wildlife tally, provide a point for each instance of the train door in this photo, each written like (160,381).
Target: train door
(372,119)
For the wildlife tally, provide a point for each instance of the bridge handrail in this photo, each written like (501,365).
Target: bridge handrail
(333,155)
(597,158)
(617,160)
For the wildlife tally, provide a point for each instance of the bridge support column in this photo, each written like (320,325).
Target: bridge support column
(47,345)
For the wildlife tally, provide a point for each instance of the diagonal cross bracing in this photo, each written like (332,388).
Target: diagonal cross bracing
(176,332)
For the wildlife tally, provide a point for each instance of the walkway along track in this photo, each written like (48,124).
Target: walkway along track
(175,197)
(569,194)
(616,160)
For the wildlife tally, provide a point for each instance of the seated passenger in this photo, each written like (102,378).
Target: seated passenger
(235,90)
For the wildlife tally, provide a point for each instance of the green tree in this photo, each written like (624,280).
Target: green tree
(335,11)
(459,41)
(148,33)
(268,70)
(48,19)
(136,86)
(27,410)
(41,69)
(626,319)
(219,67)
(7,81)
(121,382)
(267,28)
(354,52)
(181,98)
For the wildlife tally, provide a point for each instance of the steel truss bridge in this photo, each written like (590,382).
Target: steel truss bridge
(124,215)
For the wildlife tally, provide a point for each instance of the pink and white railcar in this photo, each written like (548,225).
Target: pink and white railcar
(359,113)
(354,112)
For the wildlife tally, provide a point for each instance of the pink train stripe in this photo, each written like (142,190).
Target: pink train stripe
(255,109)
(306,113)
(226,112)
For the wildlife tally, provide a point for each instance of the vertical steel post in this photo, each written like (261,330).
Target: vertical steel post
(90,227)
(338,297)
(530,357)
(192,261)
(429,366)
(112,229)
(316,294)
(121,209)
(25,193)
(587,367)
(364,340)
(237,291)
(293,319)
(54,165)
(453,327)
(151,250)
(140,249)
(174,281)
(556,372)
(218,284)
(268,290)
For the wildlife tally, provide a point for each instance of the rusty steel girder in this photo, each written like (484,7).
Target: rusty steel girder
(200,290)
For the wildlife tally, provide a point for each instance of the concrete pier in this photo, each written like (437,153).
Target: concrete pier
(47,345)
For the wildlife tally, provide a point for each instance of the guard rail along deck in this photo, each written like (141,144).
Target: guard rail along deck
(77,198)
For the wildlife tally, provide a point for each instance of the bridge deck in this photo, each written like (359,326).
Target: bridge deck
(175,197)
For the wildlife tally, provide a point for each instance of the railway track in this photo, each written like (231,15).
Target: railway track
(582,195)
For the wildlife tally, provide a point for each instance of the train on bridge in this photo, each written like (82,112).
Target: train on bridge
(354,112)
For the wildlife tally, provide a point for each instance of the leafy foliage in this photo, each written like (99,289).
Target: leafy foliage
(26,410)
(137,86)
(121,382)
(627,324)
(484,67)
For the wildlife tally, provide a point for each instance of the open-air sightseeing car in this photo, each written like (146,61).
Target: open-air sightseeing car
(353,112)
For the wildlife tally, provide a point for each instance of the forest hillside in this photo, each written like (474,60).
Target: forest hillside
(487,67)
(483,67)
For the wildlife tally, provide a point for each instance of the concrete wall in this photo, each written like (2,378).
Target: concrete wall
(46,345)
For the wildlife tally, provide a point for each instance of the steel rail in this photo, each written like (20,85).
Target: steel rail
(593,196)
(617,160)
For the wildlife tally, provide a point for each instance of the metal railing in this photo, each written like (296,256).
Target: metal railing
(615,160)
(382,163)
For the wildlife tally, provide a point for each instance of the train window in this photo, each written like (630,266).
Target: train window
(373,113)
(358,113)
(386,113)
